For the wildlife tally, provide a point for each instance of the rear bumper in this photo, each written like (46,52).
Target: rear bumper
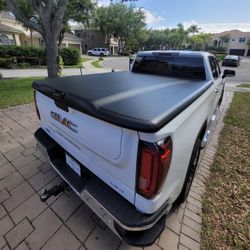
(121,216)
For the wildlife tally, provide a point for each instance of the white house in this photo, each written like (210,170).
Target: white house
(236,44)
(13,33)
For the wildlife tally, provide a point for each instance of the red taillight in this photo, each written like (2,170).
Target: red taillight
(37,110)
(153,167)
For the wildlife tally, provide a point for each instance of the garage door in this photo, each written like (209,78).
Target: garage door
(237,52)
(76,46)
(248,53)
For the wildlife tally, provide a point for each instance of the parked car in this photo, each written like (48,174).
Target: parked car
(231,61)
(128,143)
(98,52)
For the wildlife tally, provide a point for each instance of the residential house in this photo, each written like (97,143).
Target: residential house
(236,44)
(14,33)
(94,38)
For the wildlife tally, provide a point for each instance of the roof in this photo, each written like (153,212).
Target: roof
(234,33)
(68,36)
(7,28)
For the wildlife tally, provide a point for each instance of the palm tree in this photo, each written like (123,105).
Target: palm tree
(194,29)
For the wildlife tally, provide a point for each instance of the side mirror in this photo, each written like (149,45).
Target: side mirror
(228,73)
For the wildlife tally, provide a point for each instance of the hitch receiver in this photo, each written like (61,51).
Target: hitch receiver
(57,189)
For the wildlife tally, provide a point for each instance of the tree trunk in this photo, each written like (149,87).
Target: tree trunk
(61,37)
(31,37)
(51,57)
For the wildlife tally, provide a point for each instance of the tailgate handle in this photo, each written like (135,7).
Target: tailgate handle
(58,99)
(58,95)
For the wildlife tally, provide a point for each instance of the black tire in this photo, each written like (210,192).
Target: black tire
(190,173)
(89,54)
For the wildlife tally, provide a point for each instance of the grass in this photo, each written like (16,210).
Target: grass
(244,85)
(16,91)
(97,64)
(79,65)
(226,217)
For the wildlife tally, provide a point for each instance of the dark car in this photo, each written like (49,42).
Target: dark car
(231,61)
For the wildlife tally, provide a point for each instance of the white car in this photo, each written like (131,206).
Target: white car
(128,143)
(98,52)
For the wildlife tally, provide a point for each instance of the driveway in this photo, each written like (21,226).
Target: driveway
(242,72)
(65,222)
(88,69)
(116,62)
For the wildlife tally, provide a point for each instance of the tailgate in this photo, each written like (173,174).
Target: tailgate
(109,151)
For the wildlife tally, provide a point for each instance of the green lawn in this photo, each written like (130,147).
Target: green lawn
(226,217)
(97,63)
(16,91)
(79,65)
(244,85)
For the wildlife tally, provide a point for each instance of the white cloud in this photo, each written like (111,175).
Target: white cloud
(103,3)
(152,19)
(219,27)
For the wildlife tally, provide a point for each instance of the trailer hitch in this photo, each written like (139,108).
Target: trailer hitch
(57,189)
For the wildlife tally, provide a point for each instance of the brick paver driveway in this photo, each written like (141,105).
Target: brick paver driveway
(65,222)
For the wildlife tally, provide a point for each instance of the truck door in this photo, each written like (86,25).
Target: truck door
(218,81)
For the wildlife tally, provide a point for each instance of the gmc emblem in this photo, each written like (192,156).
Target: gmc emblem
(64,121)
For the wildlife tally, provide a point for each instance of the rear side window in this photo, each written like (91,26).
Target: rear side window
(171,65)
(214,68)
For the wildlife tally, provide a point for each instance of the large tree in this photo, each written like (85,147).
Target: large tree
(47,19)
(122,22)
(76,11)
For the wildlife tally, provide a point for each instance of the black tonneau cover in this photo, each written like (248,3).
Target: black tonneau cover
(139,102)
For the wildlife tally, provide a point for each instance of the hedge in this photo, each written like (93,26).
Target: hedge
(36,55)
(70,56)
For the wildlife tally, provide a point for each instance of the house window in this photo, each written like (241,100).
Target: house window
(4,40)
(242,39)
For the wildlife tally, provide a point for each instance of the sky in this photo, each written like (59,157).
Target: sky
(210,15)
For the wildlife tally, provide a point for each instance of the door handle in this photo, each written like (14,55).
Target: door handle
(216,90)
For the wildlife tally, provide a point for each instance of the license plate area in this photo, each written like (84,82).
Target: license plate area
(73,164)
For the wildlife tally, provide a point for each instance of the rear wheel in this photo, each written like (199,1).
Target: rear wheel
(190,173)
(90,54)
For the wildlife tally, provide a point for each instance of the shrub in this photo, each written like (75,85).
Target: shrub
(70,56)
(36,55)
(216,49)
(220,57)
(6,63)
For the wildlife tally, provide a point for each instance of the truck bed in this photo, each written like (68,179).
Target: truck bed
(140,102)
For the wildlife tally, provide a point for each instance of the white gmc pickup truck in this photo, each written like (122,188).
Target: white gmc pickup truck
(128,143)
